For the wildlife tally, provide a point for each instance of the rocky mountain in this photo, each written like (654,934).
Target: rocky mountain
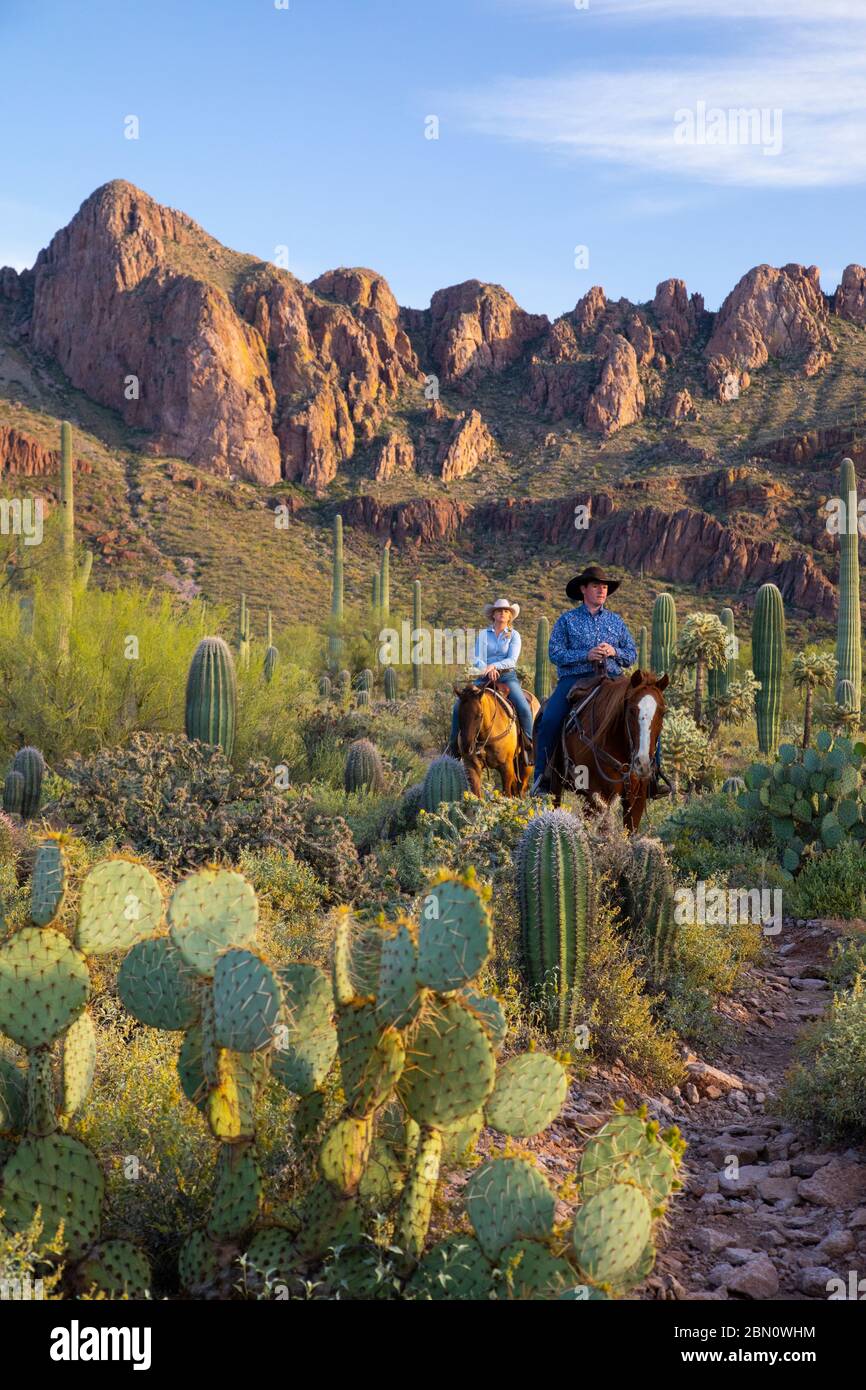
(242,371)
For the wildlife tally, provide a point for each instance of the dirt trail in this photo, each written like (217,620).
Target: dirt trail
(787,1218)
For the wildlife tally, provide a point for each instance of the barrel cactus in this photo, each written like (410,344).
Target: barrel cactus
(365,679)
(212,695)
(732,786)
(848,653)
(31,765)
(664,634)
(389,681)
(13,793)
(556,899)
(364,771)
(445,780)
(768,659)
(324,687)
(648,905)
(846,695)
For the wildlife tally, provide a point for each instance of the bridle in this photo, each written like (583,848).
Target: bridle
(623,771)
(476,749)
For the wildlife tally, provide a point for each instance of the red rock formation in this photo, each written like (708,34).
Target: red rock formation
(24,456)
(770,313)
(849,301)
(424,520)
(470,443)
(677,316)
(619,399)
(679,407)
(589,312)
(478,329)
(396,455)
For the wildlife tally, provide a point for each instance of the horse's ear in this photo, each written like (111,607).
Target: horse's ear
(636,677)
(458,689)
(663,682)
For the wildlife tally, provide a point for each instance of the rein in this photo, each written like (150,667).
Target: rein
(491,738)
(624,771)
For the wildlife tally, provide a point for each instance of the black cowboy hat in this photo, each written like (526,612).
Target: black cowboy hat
(593,574)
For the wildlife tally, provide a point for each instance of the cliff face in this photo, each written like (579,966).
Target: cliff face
(23,456)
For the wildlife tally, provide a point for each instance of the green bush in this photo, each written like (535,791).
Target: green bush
(711,835)
(847,960)
(180,803)
(830,884)
(826,1092)
(290,901)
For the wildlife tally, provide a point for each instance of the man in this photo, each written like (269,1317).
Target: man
(587,642)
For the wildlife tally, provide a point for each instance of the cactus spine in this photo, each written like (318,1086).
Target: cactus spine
(335,641)
(416,624)
(542,661)
(212,695)
(664,634)
(848,654)
(643,650)
(768,660)
(555,897)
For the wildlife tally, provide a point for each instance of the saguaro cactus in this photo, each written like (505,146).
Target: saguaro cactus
(768,660)
(664,634)
(542,661)
(31,764)
(67,533)
(417,672)
(555,896)
(643,650)
(385,583)
(848,653)
(212,695)
(390,683)
(335,641)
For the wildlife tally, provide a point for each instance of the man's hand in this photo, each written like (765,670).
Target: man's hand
(601,652)
(490,672)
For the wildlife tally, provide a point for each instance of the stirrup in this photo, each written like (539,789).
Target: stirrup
(659,786)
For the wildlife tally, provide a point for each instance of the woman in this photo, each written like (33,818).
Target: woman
(497,649)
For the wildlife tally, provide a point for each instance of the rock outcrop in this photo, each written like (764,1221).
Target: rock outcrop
(619,398)
(475,330)
(678,317)
(396,455)
(469,445)
(770,313)
(23,456)
(849,301)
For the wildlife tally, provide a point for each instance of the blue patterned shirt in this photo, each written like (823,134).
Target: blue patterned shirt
(501,652)
(575,634)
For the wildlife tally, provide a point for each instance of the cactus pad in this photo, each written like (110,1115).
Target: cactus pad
(490,1014)
(453,936)
(247,1001)
(450,1067)
(210,911)
(44,986)
(237,1192)
(116,1268)
(158,987)
(271,1257)
(13,1097)
(41,1095)
(509,1200)
(121,903)
(325,1217)
(396,996)
(455,1269)
(60,1175)
(529,1093)
(459,1140)
(77,1064)
(198,1263)
(625,1150)
(306,1041)
(531,1271)
(48,883)
(611,1231)
(371,1059)
(416,1202)
(383,1176)
(344,1153)
(230,1106)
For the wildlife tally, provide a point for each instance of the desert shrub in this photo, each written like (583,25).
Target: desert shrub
(290,900)
(180,803)
(710,960)
(26,1258)
(847,960)
(100,695)
(324,842)
(826,1091)
(367,815)
(830,884)
(711,834)
(268,715)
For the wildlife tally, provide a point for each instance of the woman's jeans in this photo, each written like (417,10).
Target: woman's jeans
(519,700)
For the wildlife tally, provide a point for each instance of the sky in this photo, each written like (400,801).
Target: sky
(579,142)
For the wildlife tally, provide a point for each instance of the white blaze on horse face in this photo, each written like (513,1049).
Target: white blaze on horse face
(645,711)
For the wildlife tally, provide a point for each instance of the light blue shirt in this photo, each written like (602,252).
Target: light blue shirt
(500,651)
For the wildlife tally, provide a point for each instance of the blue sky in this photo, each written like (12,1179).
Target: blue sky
(558,127)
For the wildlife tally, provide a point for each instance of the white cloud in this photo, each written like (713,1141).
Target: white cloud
(790,11)
(625,117)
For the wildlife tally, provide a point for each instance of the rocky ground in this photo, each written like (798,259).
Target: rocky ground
(785,1218)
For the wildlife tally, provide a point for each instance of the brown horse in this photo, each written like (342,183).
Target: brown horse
(489,734)
(611,743)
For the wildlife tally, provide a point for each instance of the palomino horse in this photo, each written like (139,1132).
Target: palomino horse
(611,740)
(489,734)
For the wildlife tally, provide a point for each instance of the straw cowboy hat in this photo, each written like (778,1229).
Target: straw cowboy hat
(593,574)
(501,603)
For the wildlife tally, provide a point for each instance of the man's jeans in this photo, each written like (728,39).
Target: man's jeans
(519,700)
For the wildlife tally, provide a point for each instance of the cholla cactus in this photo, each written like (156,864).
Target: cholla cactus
(684,747)
(734,705)
(812,671)
(702,645)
